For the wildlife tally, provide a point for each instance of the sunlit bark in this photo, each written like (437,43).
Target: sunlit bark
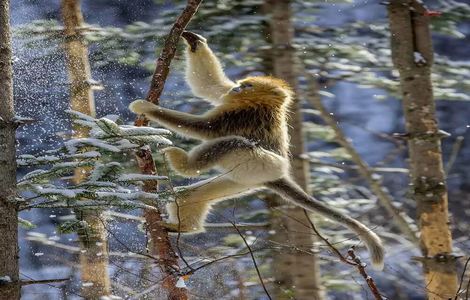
(412,55)
(93,239)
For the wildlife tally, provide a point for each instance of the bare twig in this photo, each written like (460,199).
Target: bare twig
(43,281)
(253,259)
(362,270)
(160,240)
(219,259)
(354,261)
(462,277)
(453,155)
(327,242)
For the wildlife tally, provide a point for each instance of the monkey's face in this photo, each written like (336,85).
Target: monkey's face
(261,89)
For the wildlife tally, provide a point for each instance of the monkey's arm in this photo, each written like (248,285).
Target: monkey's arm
(204,72)
(193,126)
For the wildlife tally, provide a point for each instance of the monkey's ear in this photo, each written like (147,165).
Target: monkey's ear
(281,92)
(192,39)
(141,106)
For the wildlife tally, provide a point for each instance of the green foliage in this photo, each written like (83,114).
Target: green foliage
(105,181)
(71,226)
(453,13)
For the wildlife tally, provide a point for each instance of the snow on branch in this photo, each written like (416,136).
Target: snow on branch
(104,156)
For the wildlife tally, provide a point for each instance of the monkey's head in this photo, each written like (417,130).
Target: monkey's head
(264,90)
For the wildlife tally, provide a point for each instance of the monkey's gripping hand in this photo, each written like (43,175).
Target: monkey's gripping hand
(192,40)
(142,106)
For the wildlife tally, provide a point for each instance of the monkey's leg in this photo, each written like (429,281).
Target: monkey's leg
(188,212)
(178,159)
(207,155)
(238,158)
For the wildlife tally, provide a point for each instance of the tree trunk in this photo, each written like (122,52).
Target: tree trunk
(93,239)
(160,243)
(159,240)
(296,274)
(8,208)
(412,55)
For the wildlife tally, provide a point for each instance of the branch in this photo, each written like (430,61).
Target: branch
(364,170)
(168,53)
(361,267)
(354,261)
(161,246)
(462,277)
(455,152)
(169,49)
(43,281)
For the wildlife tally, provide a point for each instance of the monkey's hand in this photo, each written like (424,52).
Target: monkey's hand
(142,106)
(192,40)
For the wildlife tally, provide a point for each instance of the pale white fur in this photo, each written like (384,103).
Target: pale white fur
(205,74)
(254,167)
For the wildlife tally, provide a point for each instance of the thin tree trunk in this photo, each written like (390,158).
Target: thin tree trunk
(296,272)
(8,208)
(93,239)
(412,55)
(160,244)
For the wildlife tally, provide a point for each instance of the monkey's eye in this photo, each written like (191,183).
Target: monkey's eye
(237,89)
(246,85)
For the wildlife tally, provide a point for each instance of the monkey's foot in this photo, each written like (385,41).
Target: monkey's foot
(178,159)
(141,106)
(192,39)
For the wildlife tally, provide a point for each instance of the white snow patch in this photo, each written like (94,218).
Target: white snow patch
(419,59)
(180,283)
(72,145)
(86,284)
(140,177)
(5,278)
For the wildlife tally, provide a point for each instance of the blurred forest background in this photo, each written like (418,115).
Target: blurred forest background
(353,132)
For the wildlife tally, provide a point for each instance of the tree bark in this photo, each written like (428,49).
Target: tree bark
(93,239)
(296,272)
(412,55)
(8,207)
(78,65)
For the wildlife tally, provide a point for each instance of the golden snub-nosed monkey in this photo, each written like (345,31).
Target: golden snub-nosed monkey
(244,136)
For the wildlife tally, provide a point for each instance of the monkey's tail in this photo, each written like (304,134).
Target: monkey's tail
(289,190)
